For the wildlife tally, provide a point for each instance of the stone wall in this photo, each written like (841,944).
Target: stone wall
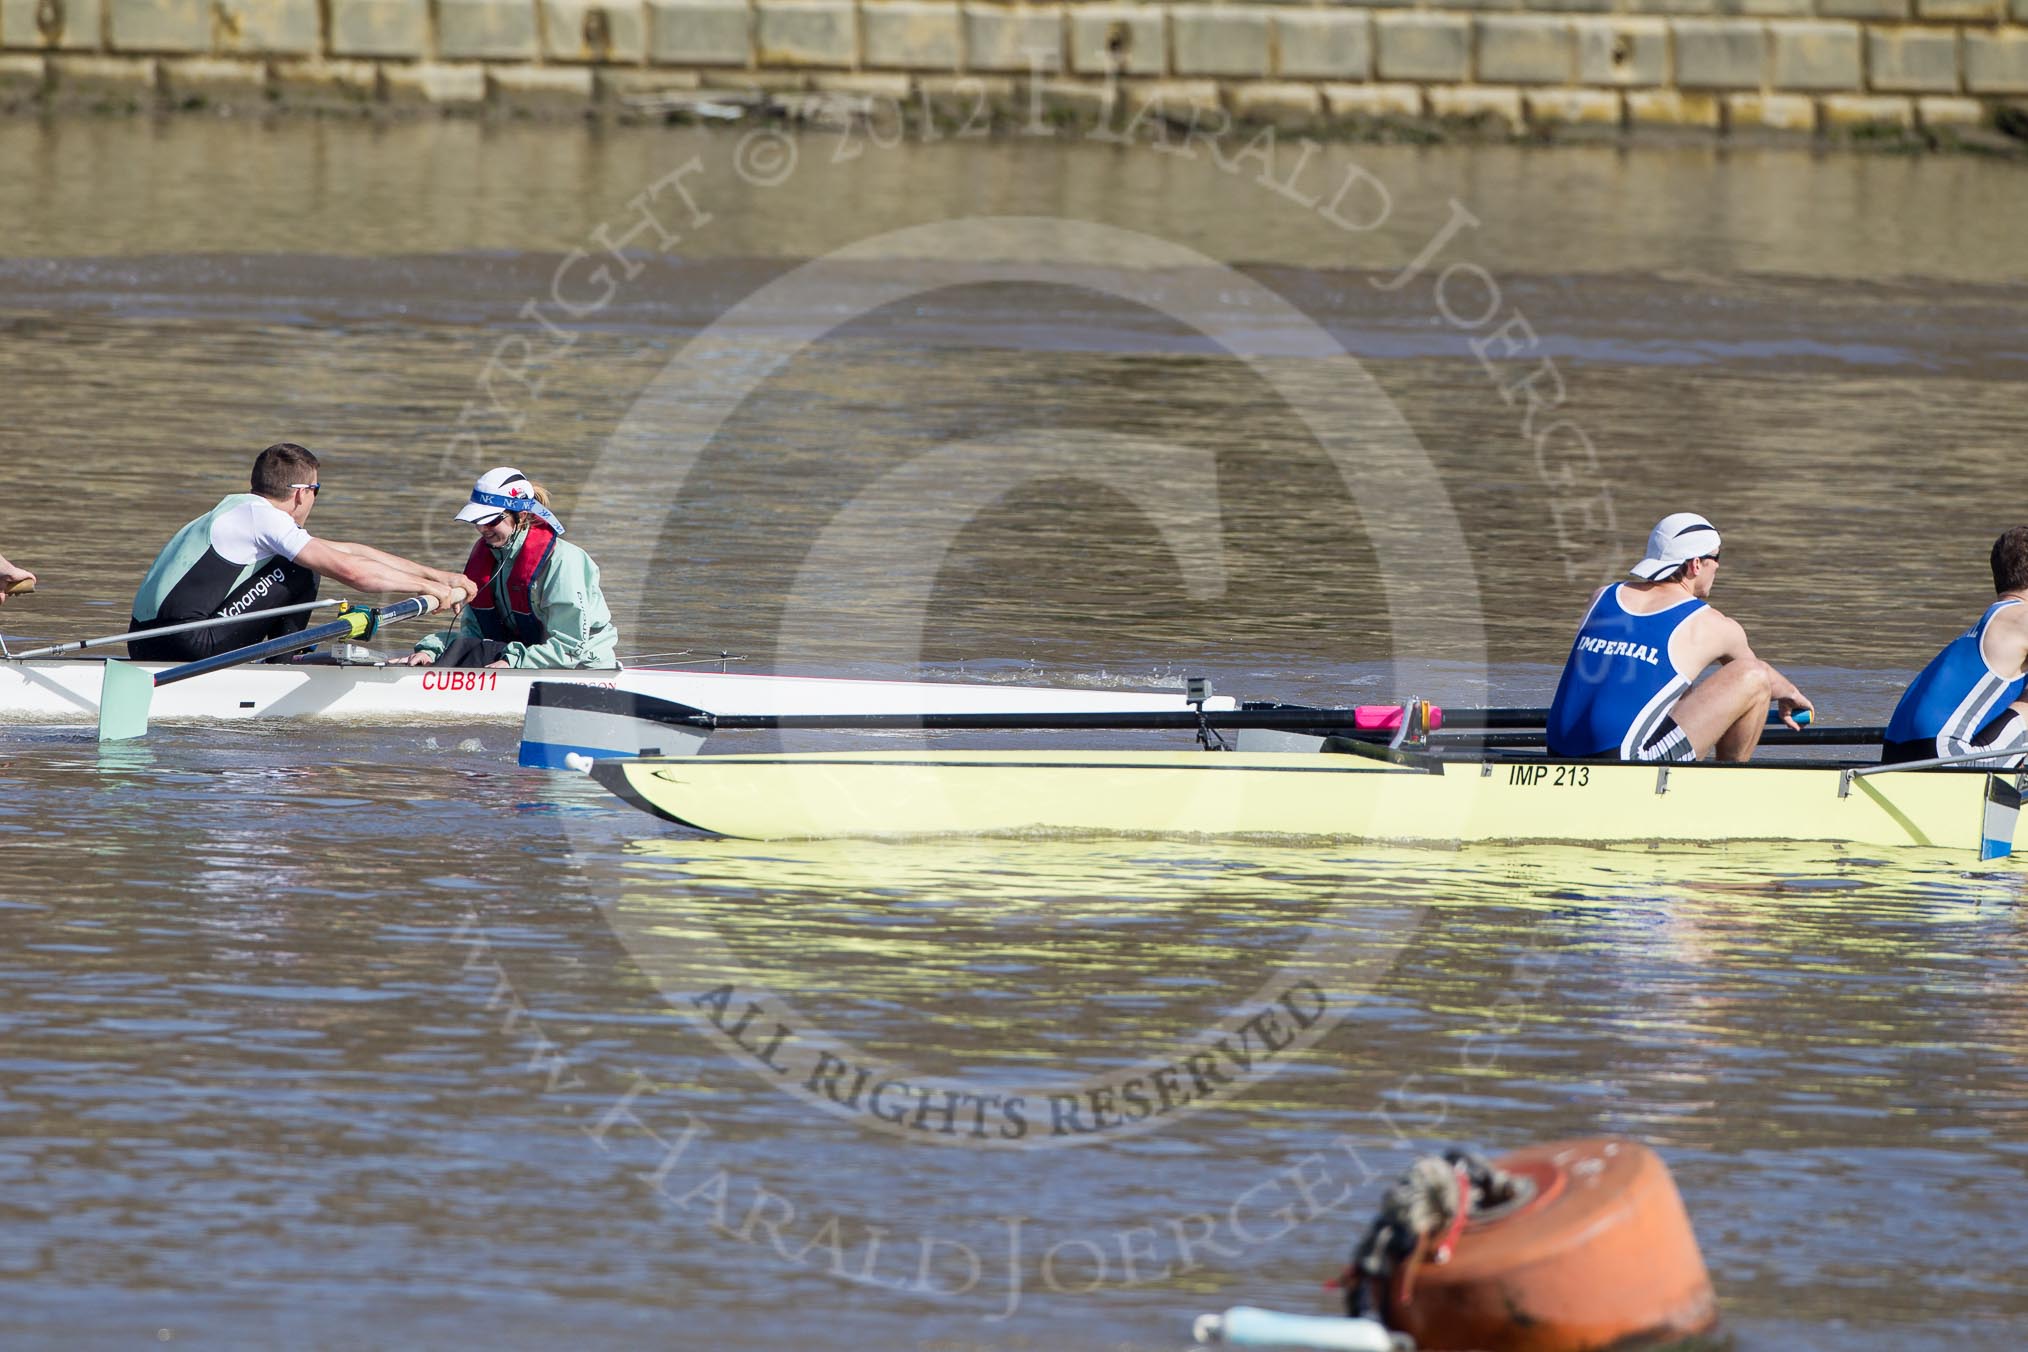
(1862,69)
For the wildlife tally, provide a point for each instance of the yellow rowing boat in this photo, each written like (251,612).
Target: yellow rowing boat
(1407,799)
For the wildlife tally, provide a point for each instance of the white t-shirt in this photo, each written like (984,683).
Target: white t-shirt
(255,530)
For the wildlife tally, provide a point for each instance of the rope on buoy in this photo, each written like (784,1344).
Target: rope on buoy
(1419,1220)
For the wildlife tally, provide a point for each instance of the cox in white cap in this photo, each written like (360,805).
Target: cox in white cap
(1676,539)
(505,489)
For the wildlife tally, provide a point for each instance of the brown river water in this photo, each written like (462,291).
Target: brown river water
(347,1036)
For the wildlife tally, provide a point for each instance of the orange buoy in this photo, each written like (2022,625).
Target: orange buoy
(1593,1250)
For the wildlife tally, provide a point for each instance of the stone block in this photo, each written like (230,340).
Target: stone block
(1071,103)
(1996,63)
(618,88)
(1571,6)
(1324,44)
(1525,49)
(1423,47)
(541,90)
(1367,104)
(1934,112)
(1219,40)
(700,32)
(1664,110)
(107,82)
(1816,56)
(271,27)
(610,32)
(1017,39)
(326,85)
(1866,114)
(1130,38)
(1483,4)
(1767,9)
(1622,52)
(396,28)
(57,25)
(1184,102)
(211,83)
(482,30)
(1720,53)
(893,88)
(760,81)
(1672,7)
(903,35)
(23,79)
(1481,108)
(1572,110)
(158,25)
(1863,9)
(435,86)
(1911,60)
(1276,103)
(966,104)
(806,33)
(1770,113)
(1962,11)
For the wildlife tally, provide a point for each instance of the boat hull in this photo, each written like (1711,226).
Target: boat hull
(67,691)
(1293,794)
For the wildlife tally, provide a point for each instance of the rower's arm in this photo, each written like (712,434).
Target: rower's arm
(367,569)
(1726,638)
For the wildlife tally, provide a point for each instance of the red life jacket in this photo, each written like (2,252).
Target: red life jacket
(521,622)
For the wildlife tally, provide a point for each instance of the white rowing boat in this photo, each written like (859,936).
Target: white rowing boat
(61,690)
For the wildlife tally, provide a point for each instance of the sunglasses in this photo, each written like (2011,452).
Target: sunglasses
(490,521)
(315,489)
(1712,557)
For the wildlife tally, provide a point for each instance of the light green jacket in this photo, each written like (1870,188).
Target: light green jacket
(567,600)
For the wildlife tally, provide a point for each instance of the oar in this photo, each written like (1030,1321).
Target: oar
(1458,719)
(20,586)
(1777,734)
(128,690)
(107,640)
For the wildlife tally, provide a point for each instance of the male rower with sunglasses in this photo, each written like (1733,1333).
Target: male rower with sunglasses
(250,554)
(1627,686)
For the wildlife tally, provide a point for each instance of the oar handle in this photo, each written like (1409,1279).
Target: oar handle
(371,620)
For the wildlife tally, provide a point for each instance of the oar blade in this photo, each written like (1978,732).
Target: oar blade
(123,702)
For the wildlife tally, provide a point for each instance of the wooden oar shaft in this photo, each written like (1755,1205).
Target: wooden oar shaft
(160,631)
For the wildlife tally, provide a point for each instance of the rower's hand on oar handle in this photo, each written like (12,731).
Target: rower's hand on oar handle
(1796,710)
(15,582)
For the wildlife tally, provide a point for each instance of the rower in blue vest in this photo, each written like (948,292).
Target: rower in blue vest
(539,603)
(1627,687)
(1968,699)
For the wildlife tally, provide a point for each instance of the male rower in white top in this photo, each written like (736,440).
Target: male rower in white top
(251,554)
(1626,689)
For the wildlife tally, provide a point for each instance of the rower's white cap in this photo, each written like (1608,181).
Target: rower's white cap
(1676,539)
(501,486)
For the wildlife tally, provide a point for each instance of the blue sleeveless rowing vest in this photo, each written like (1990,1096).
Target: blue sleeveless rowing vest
(1957,693)
(1619,682)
